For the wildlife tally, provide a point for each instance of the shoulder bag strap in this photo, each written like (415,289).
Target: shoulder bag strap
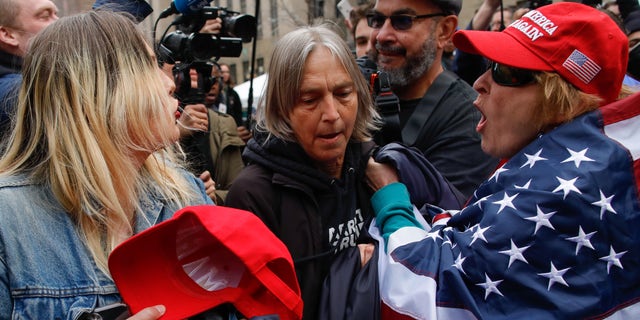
(420,115)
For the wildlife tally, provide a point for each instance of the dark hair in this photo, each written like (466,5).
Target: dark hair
(359,12)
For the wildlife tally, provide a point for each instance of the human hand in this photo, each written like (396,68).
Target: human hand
(193,118)
(244,133)
(149,313)
(209,185)
(380,174)
(366,252)
(519,13)
(212,26)
(493,3)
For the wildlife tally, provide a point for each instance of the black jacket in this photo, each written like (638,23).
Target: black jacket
(314,214)
(447,133)
(10,80)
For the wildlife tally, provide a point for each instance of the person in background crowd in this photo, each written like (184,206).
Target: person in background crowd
(232,99)
(500,19)
(89,162)
(553,233)
(632,26)
(19,22)
(489,16)
(234,104)
(208,137)
(448,55)
(360,30)
(612,6)
(628,78)
(307,158)
(436,113)
(215,97)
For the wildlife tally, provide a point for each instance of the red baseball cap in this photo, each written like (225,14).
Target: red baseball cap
(205,256)
(583,45)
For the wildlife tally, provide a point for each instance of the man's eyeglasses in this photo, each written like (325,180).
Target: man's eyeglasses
(399,22)
(510,76)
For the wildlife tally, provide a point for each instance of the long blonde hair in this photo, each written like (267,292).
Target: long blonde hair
(90,98)
(561,101)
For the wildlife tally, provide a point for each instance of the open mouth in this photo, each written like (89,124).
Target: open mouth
(481,124)
(483,119)
(329,137)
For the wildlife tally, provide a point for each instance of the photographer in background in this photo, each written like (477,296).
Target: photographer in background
(190,53)
(208,137)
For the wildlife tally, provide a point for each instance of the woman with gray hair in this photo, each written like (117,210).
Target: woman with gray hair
(306,161)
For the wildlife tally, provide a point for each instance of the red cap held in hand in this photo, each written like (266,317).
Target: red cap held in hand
(203,257)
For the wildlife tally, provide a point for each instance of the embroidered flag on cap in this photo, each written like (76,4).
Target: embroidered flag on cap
(581,66)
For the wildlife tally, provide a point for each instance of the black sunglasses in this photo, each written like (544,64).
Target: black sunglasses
(510,76)
(398,21)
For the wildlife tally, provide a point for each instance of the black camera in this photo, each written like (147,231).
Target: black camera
(179,46)
(188,48)
(187,44)
(234,24)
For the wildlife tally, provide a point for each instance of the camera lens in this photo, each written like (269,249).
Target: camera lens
(242,26)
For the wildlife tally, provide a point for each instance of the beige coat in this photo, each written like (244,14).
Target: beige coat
(226,152)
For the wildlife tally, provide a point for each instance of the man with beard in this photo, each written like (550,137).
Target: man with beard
(436,113)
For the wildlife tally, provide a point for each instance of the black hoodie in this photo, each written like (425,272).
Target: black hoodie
(314,214)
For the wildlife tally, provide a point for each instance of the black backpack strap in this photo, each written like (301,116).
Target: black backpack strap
(420,115)
(388,105)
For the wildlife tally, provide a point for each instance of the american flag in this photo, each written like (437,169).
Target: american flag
(553,234)
(581,66)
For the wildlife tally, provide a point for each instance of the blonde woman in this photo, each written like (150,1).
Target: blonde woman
(89,162)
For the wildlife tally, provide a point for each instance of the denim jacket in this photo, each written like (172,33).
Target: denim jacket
(46,271)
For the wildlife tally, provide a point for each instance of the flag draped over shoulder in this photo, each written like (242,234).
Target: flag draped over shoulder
(553,234)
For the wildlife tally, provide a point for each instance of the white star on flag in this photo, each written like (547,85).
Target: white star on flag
(542,219)
(532,159)
(479,234)
(515,253)
(524,186)
(497,173)
(582,239)
(458,263)
(613,259)
(507,201)
(604,204)
(577,157)
(480,201)
(567,186)
(555,276)
(490,286)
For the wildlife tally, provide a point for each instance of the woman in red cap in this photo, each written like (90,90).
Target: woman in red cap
(553,233)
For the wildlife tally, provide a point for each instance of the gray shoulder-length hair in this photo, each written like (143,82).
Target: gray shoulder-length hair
(286,70)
